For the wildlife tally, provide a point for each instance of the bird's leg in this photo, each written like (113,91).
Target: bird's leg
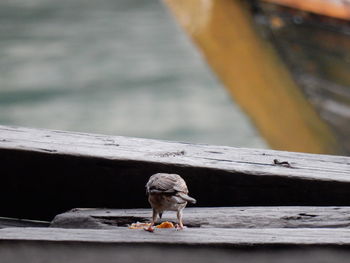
(154,218)
(180,225)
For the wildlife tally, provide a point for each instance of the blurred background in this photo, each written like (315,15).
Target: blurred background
(120,67)
(246,73)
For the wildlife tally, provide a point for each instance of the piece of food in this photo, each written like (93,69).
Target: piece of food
(166,224)
(139,225)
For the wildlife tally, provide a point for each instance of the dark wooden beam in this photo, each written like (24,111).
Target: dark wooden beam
(45,172)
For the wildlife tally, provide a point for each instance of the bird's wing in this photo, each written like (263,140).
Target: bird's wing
(166,183)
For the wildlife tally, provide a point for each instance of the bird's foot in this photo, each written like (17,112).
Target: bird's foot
(179,227)
(149,229)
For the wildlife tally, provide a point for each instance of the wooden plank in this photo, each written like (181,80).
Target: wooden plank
(236,160)
(213,217)
(45,172)
(187,237)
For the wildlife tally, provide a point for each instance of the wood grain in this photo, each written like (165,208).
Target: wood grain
(189,236)
(235,160)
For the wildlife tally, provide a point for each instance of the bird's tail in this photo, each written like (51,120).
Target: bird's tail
(187,198)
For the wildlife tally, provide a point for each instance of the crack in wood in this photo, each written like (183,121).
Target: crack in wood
(233,161)
(171,154)
(282,163)
(47,150)
(214,152)
(111,144)
(308,215)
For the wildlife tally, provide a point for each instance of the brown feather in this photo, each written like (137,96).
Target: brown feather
(167,192)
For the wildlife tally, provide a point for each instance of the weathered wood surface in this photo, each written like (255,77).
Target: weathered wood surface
(239,160)
(214,217)
(189,236)
(45,172)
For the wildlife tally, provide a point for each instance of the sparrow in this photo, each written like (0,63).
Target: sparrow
(167,192)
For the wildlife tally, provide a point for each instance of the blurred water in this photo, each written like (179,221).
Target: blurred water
(119,67)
